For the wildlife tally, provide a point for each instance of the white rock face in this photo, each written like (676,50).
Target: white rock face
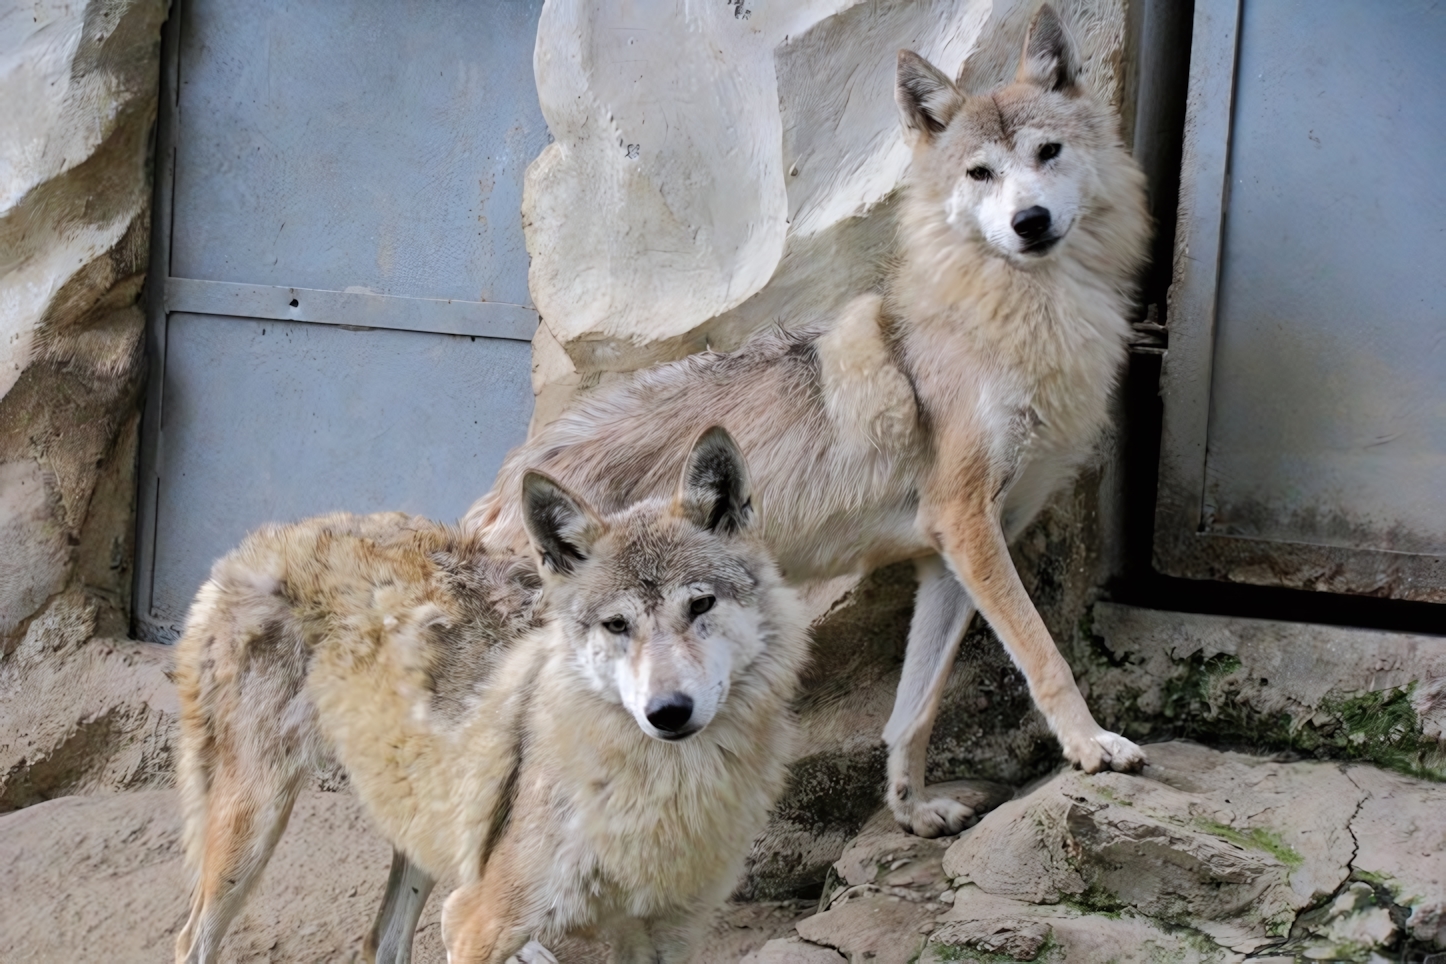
(77,100)
(719,167)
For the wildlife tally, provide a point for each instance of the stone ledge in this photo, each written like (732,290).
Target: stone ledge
(1326,691)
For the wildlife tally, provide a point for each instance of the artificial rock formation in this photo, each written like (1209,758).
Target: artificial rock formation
(737,163)
(1206,857)
(78,87)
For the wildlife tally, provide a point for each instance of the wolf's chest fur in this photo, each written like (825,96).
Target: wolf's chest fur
(996,351)
(646,824)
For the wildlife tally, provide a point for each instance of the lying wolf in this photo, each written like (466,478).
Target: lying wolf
(590,745)
(932,423)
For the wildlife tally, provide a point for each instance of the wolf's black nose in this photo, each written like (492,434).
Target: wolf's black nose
(1031,223)
(670,713)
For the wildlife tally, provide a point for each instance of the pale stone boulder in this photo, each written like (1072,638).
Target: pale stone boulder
(1231,854)
(1206,857)
(720,167)
(78,86)
(888,887)
(793,950)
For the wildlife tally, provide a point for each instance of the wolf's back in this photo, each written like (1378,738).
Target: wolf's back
(348,587)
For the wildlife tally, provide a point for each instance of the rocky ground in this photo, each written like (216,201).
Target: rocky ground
(1207,856)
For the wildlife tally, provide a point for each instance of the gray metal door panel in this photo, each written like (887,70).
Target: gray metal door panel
(344,321)
(370,143)
(275,420)
(1305,384)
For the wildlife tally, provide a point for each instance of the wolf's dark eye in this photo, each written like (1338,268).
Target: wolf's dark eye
(980,173)
(701,605)
(1049,152)
(617,625)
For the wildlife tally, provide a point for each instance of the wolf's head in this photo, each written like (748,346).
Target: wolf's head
(1017,168)
(665,604)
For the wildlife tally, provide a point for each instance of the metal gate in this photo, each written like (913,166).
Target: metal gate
(1305,382)
(339,316)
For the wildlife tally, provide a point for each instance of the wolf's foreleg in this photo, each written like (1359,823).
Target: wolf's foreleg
(942,610)
(969,531)
(245,814)
(408,886)
(483,922)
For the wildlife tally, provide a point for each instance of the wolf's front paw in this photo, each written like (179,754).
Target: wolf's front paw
(932,817)
(532,953)
(1103,750)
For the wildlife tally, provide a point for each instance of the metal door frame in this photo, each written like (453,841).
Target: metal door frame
(166,294)
(1183,543)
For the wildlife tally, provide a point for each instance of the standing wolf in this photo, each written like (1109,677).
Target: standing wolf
(591,748)
(934,422)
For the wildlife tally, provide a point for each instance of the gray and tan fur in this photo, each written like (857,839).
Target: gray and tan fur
(932,423)
(590,742)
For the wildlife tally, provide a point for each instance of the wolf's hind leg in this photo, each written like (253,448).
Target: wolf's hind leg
(942,610)
(245,813)
(408,886)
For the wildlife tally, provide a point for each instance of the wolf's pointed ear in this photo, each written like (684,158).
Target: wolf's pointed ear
(562,528)
(926,98)
(714,491)
(1049,58)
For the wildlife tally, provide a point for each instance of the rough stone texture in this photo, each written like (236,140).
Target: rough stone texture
(883,891)
(78,81)
(81,714)
(736,161)
(985,927)
(1207,857)
(1329,691)
(1229,853)
(106,872)
(793,950)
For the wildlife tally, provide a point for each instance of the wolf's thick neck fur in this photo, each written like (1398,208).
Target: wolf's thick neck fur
(1050,332)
